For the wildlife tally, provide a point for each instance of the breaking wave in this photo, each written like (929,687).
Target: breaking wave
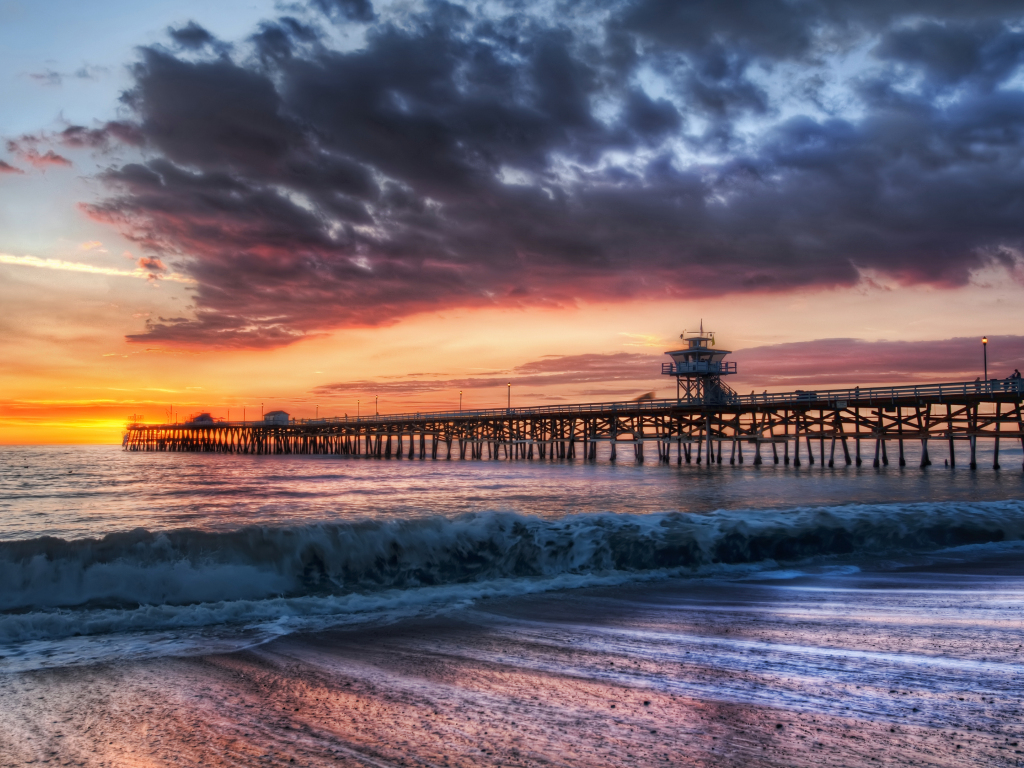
(147,580)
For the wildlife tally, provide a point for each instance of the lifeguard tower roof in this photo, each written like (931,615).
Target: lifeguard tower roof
(700,348)
(700,356)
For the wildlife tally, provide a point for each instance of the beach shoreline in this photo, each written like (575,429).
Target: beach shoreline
(827,665)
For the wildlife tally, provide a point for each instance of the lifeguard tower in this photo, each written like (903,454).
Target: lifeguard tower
(699,368)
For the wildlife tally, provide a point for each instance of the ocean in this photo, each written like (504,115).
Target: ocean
(192,609)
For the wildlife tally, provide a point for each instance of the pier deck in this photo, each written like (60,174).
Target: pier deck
(678,429)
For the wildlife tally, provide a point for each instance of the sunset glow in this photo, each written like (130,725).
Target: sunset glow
(167,257)
(488,383)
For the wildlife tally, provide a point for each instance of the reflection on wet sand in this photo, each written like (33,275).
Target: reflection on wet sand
(915,666)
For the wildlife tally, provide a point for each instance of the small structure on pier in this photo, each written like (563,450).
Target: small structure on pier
(698,369)
(277,417)
(202,418)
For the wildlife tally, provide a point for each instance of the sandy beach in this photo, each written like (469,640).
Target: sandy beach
(920,665)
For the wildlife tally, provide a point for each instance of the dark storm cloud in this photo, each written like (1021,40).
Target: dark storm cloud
(467,157)
(347,10)
(191,36)
(984,53)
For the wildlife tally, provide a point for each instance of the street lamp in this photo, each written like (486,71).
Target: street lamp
(510,395)
(984,348)
(376,410)
(460,401)
(357,409)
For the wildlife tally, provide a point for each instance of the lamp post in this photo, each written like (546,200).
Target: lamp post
(357,409)
(984,351)
(376,410)
(318,412)
(460,401)
(510,395)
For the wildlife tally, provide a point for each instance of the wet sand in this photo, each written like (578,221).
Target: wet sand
(916,666)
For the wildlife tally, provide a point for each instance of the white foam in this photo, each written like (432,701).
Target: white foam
(58,638)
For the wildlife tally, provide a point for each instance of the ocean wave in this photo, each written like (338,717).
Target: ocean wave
(142,579)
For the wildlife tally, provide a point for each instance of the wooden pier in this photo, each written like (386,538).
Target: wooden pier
(851,426)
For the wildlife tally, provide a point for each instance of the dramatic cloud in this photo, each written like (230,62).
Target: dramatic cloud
(490,154)
(852,361)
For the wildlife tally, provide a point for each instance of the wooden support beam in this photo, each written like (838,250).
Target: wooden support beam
(995,449)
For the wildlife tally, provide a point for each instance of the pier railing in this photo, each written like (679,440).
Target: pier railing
(862,396)
(844,418)
(702,367)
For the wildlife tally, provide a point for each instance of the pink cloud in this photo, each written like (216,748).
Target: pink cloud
(553,370)
(25,147)
(45,159)
(851,361)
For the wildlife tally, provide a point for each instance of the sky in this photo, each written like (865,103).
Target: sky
(337,206)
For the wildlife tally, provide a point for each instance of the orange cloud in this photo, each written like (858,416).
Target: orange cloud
(153,264)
